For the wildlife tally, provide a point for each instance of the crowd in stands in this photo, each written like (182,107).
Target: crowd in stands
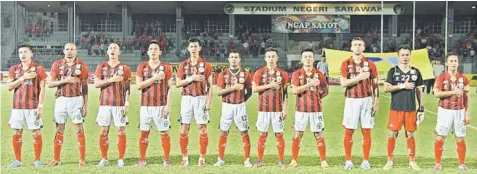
(38,31)
(147,28)
(96,43)
(467,46)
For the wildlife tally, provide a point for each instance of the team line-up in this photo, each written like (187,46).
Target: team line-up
(235,86)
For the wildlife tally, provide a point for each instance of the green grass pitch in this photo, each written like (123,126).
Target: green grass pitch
(308,159)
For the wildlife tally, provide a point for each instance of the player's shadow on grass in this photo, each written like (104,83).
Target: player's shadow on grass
(303,160)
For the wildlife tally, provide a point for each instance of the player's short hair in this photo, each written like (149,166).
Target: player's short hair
(194,39)
(404,47)
(307,50)
(154,42)
(234,51)
(451,54)
(271,49)
(357,38)
(25,45)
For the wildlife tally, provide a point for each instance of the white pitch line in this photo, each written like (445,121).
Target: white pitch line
(433,113)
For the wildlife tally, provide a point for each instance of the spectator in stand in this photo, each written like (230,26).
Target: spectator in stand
(96,49)
(323,67)
(164,46)
(245,47)
(33,33)
(231,44)
(102,47)
(222,52)
(310,45)
(262,47)
(255,48)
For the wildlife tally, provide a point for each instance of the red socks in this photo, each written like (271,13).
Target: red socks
(166,146)
(320,144)
(143,143)
(222,145)
(121,146)
(246,146)
(261,147)
(17,146)
(366,143)
(57,146)
(81,145)
(104,146)
(391,146)
(184,141)
(348,143)
(204,141)
(280,146)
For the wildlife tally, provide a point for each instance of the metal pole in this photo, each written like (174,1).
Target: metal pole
(413,25)
(74,21)
(446,22)
(382,25)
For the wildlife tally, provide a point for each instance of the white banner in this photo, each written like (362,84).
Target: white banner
(312,8)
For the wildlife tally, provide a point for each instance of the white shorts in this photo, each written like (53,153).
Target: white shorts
(265,118)
(150,114)
(234,113)
(108,113)
(358,110)
(193,106)
(69,108)
(21,116)
(317,124)
(446,119)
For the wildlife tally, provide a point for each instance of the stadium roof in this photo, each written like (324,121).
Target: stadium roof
(216,7)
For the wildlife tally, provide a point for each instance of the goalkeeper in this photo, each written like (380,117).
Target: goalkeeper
(404,82)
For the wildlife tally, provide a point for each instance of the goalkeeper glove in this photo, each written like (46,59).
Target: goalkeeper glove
(420,115)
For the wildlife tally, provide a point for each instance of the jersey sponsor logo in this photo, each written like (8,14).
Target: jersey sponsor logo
(120,70)
(78,69)
(201,68)
(365,69)
(413,71)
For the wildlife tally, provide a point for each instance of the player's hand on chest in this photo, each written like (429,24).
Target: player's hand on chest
(66,71)
(196,72)
(408,79)
(115,74)
(312,79)
(361,71)
(450,84)
(157,74)
(274,78)
(235,81)
(28,74)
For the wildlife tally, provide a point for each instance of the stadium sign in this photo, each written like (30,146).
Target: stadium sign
(311,24)
(313,8)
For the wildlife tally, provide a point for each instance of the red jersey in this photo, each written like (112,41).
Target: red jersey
(186,69)
(227,79)
(27,95)
(350,69)
(156,93)
(270,100)
(114,94)
(60,70)
(444,82)
(310,99)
